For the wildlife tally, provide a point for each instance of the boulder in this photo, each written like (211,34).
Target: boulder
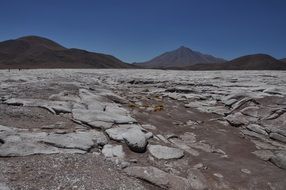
(132,135)
(135,139)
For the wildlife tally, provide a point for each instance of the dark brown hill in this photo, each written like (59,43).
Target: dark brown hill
(180,57)
(248,62)
(37,52)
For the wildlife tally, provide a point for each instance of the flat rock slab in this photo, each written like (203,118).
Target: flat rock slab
(257,128)
(82,140)
(19,142)
(238,119)
(279,159)
(164,152)
(158,177)
(53,106)
(89,116)
(113,151)
(182,145)
(3,186)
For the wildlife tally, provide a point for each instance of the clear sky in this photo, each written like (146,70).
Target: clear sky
(138,30)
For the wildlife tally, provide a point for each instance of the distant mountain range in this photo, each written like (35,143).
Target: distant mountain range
(181,57)
(38,52)
(186,59)
(32,52)
(248,62)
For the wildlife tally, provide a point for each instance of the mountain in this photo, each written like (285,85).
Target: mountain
(248,62)
(180,57)
(39,52)
(284,60)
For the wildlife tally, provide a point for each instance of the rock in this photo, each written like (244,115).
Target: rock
(181,144)
(263,145)
(208,107)
(149,127)
(58,125)
(89,116)
(164,152)
(115,98)
(218,175)
(279,159)
(255,111)
(88,98)
(278,137)
(53,106)
(257,128)
(148,135)
(188,137)
(191,122)
(116,133)
(238,119)
(135,139)
(132,135)
(263,154)
(242,102)
(229,102)
(197,180)
(162,138)
(273,91)
(124,164)
(171,135)
(276,114)
(113,151)
(78,140)
(179,90)
(272,129)
(20,142)
(100,125)
(198,166)
(158,177)
(246,171)
(65,96)
(207,148)
(3,186)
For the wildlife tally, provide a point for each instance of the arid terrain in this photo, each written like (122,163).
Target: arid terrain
(142,129)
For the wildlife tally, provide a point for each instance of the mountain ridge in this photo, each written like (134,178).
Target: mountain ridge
(247,62)
(39,52)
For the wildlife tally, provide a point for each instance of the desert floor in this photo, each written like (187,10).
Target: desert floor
(142,129)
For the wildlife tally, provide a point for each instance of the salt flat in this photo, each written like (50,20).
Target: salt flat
(185,129)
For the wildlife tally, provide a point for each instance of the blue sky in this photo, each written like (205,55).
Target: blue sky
(138,30)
